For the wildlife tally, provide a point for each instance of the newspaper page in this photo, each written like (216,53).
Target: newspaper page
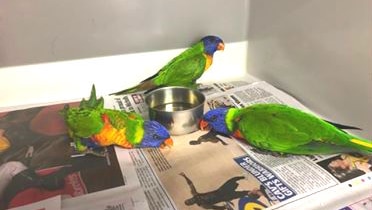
(207,171)
(364,204)
(203,170)
(39,167)
(53,203)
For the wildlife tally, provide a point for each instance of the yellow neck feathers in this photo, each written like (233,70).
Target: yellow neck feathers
(208,61)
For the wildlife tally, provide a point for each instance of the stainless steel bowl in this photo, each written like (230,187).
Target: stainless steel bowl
(179,109)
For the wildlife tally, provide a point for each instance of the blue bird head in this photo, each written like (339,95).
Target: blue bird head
(156,135)
(212,44)
(215,119)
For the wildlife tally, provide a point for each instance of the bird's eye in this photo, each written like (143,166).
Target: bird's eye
(155,136)
(213,118)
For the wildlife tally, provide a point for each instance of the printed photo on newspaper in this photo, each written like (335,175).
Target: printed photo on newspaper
(38,162)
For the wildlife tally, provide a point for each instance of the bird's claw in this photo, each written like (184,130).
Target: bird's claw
(90,151)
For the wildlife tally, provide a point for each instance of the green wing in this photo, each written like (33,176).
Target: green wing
(132,122)
(284,129)
(184,69)
(118,119)
(83,122)
(196,49)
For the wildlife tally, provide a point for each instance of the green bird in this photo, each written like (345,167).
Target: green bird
(283,129)
(184,69)
(92,126)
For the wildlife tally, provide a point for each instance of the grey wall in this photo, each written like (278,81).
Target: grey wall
(319,51)
(37,31)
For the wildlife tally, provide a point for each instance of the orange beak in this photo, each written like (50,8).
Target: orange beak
(221,46)
(204,125)
(167,143)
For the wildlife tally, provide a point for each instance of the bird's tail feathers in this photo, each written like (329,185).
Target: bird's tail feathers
(342,126)
(363,146)
(93,102)
(363,143)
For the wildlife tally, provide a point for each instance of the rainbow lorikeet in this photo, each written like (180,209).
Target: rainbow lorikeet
(184,69)
(91,125)
(284,129)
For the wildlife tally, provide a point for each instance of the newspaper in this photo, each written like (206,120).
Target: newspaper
(363,204)
(195,169)
(203,170)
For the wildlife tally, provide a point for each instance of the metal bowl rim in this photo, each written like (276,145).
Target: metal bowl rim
(195,92)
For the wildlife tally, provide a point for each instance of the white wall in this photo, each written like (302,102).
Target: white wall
(38,31)
(319,51)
